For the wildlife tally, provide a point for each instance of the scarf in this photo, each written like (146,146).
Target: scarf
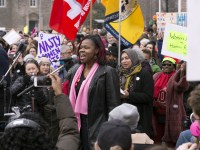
(80,103)
(128,74)
(161,82)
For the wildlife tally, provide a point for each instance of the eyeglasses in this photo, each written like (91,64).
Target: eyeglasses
(169,65)
(192,118)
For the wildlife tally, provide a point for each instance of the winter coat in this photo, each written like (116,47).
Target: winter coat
(103,96)
(4,65)
(175,112)
(141,95)
(25,99)
(69,135)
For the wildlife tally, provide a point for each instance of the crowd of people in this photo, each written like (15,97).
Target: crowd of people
(94,102)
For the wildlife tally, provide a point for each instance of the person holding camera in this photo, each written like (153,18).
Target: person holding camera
(29,131)
(33,97)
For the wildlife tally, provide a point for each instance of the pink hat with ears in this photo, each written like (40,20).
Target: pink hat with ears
(195,129)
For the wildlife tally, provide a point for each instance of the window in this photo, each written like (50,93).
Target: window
(33,3)
(2,3)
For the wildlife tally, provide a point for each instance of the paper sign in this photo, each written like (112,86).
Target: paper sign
(193,69)
(12,37)
(175,42)
(172,18)
(49,46)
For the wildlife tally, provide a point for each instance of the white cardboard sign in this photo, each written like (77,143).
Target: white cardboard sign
(193,69)
(12,37)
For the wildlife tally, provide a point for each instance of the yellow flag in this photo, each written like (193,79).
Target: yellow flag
(26,29)
(132,22)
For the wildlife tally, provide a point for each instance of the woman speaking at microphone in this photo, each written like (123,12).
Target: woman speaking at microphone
(94,89)
(23,82)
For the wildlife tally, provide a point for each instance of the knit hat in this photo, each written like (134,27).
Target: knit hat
(28,56)
(127,113)
(43,60)
(173,61)
(113,50)
(114,133)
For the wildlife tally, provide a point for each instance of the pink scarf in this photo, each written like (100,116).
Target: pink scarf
(80,103)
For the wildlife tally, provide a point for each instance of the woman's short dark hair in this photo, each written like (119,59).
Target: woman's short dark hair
(32,61)
(26,137)
(96,39)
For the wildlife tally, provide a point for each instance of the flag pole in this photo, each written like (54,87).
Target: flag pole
(159,8)
(119,38)
(90,16)
(179,6)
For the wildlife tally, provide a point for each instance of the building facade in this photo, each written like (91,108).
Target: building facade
(20,13)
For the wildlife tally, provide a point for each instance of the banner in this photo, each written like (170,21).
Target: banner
(132,22)
(175,42)
(68,15)
(193,69)
(49,46)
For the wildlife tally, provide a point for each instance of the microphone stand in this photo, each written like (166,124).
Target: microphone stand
(33,99)
(4,82)
(25,91)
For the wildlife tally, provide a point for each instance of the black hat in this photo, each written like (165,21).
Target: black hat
(113,50)
(114,133)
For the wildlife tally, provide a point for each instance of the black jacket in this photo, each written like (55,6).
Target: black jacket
(141,95)
(103,96)
(18,86)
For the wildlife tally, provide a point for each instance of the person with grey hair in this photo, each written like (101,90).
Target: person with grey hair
(65,51)
(145,64)
(137,88)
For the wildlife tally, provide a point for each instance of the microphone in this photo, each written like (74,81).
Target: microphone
(32,77)
(66,59)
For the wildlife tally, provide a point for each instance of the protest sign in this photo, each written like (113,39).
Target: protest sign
(175,42)
(193,69)
(172,18)
(12,37)
(49,46)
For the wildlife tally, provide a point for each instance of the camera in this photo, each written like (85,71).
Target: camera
(41,81)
